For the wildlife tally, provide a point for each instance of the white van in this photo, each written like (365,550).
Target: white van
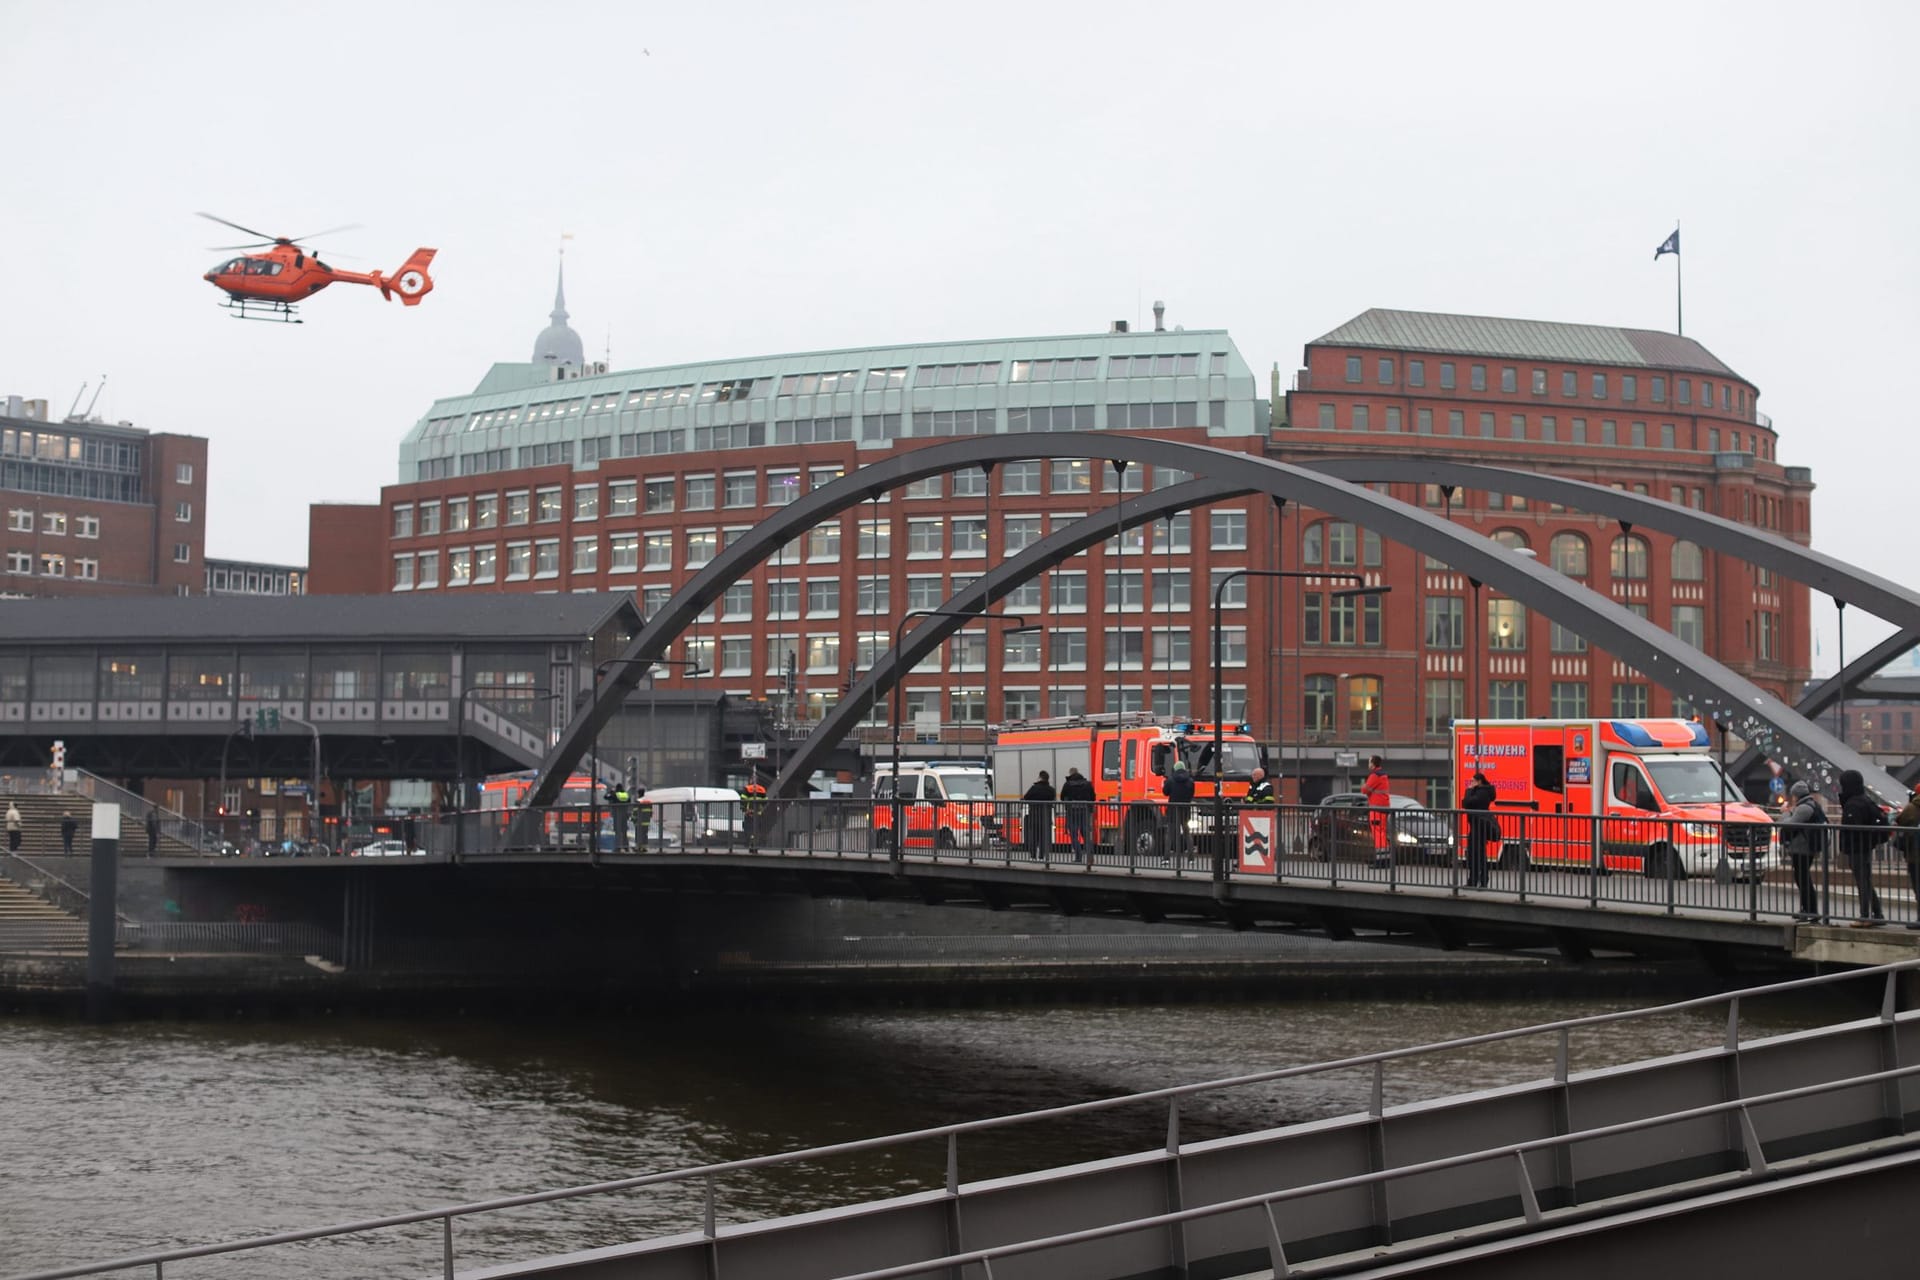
(692,816)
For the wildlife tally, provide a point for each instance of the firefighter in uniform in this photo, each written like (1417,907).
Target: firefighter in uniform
(753,802)
(644,812)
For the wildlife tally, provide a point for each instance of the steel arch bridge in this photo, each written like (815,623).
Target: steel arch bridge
(1634,640)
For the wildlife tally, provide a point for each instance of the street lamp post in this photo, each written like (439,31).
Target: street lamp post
(899,683)
(460,753)
(691,666)
(1219,730)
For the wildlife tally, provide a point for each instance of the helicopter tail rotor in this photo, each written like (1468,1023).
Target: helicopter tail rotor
(411,281)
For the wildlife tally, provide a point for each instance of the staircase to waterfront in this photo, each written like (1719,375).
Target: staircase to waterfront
(29,921)
(40,815)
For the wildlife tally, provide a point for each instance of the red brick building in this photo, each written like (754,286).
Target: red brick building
(90,508)
(1635,409)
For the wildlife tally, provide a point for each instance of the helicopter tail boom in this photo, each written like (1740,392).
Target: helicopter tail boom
(411,281)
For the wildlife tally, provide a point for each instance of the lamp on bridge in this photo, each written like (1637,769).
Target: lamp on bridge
(1219,732)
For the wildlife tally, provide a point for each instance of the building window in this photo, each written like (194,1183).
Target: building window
(546,506)
(1227,530)
(486,511)
(1423,421)
(1630,701)
(1568,552)
(1507,699)
(1353,368)
(1566,640)
(1659,389)
(1509,380)
(782,487)
(459,566)
(183,473)
(1689,562)
(483,563)
(54,523)
(1599,386)
(19,562)
(925,539)
(1539,382)
(876,539)
(403,571)
(659,495)
(519,561)
(1684,388)
(1393,418)
(969,537)
(1317,704)
(429,521)
(1690,624)
(1067,649)
(702,546)
(823,597)
(1363,705)
(1446,622)
(1416,373)
(659,551)
(1445,699)
(19,521)
(1568,700)
(1629,558)
(182,553)
(1456,422)
(924,591)
(403,521)
(1506,625)
(1446,375)
(86,570)
(1629,387)
(1359,419)
(623,552)
(1384,371)
(737,603)
(586,502)
(1326,417)
(875,595)
(53,564)
(1477,377)
(1069,591)
(739,489)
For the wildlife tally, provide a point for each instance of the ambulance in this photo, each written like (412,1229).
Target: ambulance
(1127,757)
(1641,795)
(943,804)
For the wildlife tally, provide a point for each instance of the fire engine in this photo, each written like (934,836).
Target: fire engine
(1127,757)
(1637,795)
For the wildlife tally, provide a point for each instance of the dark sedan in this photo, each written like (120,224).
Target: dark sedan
(1342,824)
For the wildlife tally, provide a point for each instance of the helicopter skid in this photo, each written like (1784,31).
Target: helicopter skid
(261,309)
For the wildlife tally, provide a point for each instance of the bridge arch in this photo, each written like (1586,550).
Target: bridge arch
(1722,693)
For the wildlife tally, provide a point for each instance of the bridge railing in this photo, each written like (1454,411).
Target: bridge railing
(1880,1091)
(1638,861)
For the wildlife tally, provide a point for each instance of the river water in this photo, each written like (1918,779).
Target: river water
(122,1139)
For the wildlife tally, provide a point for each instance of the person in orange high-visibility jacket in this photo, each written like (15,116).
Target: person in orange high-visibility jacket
(753,799)
(1379,793)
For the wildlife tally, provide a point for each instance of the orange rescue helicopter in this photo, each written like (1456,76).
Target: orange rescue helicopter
(265,285)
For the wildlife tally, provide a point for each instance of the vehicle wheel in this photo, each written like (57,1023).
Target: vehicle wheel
(1514,857)
(1661,863)
(1143,839)
(945,840)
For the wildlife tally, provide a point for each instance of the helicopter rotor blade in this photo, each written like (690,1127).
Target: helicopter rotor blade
(315,235)
(228,248)
(211,217)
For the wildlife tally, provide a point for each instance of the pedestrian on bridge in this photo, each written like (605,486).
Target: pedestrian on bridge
(1039,818)
(1907,840)
(153,832)
(620,801)
(643,814)
(1803,838)
(1481,828)
(1860,814)
(1077,796)
(1260,789)
(1179,790)
(69,826)
(1379,792)
(14,827)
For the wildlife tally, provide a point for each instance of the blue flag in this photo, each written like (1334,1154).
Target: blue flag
(1670,245)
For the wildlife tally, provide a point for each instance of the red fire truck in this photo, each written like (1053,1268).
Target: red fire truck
(1127,758)
(1637,795)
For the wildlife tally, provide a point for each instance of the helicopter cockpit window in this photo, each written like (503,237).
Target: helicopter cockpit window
(231,266)
(262,267)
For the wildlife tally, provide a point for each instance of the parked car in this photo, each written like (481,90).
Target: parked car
(387,849)
(1343,826)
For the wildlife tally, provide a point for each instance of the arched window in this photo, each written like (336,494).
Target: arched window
(1511,539)
(1569,551)
(1689,563)
(1318,704)
(1341,548)
(1629,558)
(1311,539)
(1370,548)
(1363,704)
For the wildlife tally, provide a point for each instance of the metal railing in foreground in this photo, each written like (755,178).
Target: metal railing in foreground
(228,937)
(705,1176)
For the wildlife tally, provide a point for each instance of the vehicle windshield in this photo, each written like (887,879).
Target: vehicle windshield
(1692,782)
(966,786)
(1242,758)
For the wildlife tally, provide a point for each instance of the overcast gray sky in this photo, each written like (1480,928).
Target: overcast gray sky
(744,179)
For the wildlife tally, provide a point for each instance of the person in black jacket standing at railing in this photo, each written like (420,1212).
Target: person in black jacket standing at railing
(1481,828)
(1860,813)
(1077,797)
(1039,816)
(1803,837)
